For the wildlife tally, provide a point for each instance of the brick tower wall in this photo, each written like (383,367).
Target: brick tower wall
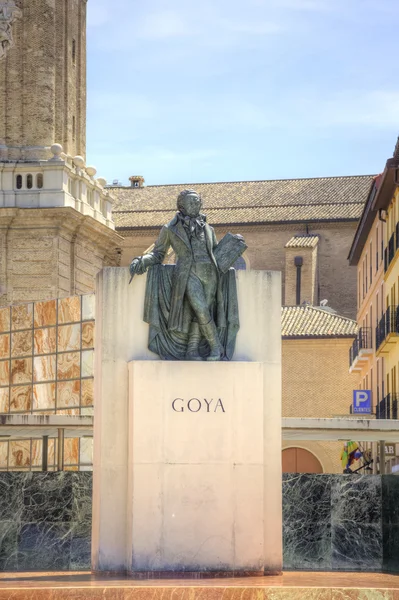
(43,81)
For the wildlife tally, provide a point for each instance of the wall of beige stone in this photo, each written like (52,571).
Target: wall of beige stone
(51,253)
(309,287)
(317,383)
(335,279)
(43,88)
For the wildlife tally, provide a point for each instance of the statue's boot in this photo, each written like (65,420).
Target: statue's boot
(193,342)
(211,335)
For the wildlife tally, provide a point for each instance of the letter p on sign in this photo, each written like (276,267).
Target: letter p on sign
(362,402)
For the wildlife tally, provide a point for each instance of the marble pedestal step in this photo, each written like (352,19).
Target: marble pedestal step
(289,586)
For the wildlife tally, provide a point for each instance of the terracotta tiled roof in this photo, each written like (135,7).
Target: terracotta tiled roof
(288,200)
(303,241)
(308,321)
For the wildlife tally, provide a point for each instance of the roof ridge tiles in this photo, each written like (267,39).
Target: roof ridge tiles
(127,187)
(244,207)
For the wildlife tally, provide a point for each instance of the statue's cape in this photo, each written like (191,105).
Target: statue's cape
(172,345)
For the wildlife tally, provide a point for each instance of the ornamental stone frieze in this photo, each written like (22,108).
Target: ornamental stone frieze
(9,12)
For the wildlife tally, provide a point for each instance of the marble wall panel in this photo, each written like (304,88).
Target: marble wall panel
(19,453)
(45,521)
(21,370)
(44,396)
(69,337)
(22,317)
(86,451)
(9,531)
(69,309)
(356,516)
(3,455)
(5,319)
(307,522)
(45,340)
(69,365)
(37,453)
(5,345)
(88,335)
(81,519)
(390,522)
(47,499)
(4,372)
(68,394)
(45,313)
(88,363)
(88,307)
(71,451)
(44,546)
(4,400)
(21,344)
(21,398)
(87,392)
(44,368)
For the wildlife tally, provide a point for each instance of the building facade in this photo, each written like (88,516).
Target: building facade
(310,219)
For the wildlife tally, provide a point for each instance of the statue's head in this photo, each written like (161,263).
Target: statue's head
(189,203)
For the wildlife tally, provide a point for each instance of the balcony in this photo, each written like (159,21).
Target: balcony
(388,407)
(388,328)
(389,252)
(361,349)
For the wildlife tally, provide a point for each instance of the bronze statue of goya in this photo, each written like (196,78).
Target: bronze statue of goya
(191,307)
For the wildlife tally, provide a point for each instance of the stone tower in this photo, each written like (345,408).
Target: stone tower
(56,226)
(42,77)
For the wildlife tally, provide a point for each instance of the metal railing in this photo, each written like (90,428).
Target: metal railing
(388,407)
(389,252)
(389,323)
(362,341)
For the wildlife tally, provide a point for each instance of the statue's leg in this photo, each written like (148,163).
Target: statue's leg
(199,294)
(193,342)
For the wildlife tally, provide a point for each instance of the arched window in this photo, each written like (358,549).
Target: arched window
(29,181)
(19,182)
(240,264)
(39,181)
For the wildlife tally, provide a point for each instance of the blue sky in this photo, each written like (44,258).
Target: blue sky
(227,90)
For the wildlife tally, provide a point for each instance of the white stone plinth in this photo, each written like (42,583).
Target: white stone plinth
(196,459)
(121,338)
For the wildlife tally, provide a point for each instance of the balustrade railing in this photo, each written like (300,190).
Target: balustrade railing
(362,341)
(389,323)
(388,407)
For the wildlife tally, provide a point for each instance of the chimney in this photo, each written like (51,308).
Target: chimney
(137,181)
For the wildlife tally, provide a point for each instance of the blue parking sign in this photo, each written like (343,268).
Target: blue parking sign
(362,402)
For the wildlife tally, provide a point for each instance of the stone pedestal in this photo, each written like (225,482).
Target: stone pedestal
(187,491)
(196,462)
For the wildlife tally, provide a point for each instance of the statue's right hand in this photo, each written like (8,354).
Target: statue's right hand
(137,267)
